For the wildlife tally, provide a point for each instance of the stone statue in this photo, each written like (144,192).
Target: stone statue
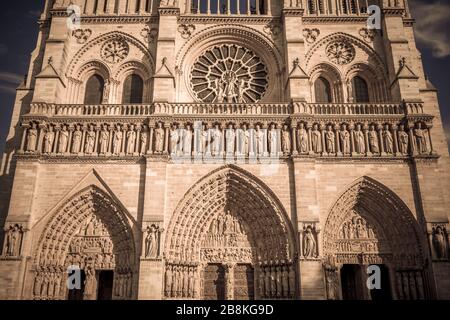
(131,140)
(32,138)
(152,241)
(231,140)
(89,284)
(144,138)
(316,139)
(439,243)
(187,140)
(168,282)
(302,138)
(159,138)
(49,138)
(216,141)
(13,241)
(220,88)
(104,140)
(241,91)
(90,141)
(345,140)
(330,140)
(273,140)
(259,137)
(174,140)
(63,140)
(360,144)
(331,282)
(245,140)
(286,140)
(403,140)
(388,140)
(204,139)
(421,138)
(76,143)
(117,141)
(373,140)
(309,248)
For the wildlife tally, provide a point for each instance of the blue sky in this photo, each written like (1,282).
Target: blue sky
(18,22)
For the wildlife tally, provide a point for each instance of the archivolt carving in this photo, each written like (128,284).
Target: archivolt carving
(196,220)
(369,221)
(90,231)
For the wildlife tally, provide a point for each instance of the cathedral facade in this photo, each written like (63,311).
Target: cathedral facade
(225,149)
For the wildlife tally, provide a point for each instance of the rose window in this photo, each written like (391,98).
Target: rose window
(340,52)
(229,74)
(114,51)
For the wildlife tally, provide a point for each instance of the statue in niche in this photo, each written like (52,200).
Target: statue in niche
(273,139)
(117,141)
(216,141)
(345,140)
(309,247)
(104,140)
(13,241)
(403,140)
(187,140)
(131,140)
(373,140)
(421,138)
(440,242)
(204,139)
(153,242)
(174,140)
(90,141)
(330,139)
(63,140)
(286,140)
(259,137)
(231,139)
(220,88)
(388,140)
(143,140)
(76,143)
(159,138)
(49,138)
(245,140)
(360,144)
(32,138)
(316,139)
(302,138)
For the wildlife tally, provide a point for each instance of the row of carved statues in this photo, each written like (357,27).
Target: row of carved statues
(220,140)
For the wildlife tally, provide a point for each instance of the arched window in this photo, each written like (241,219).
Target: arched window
(133,88)
(360,90)
(94,90)
(323,91)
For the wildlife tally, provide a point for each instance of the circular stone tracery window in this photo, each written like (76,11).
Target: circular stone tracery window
(115,50)
(340,52)
(229,74)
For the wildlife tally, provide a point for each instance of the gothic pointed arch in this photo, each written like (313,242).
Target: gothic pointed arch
(369,224)
(89,230)
(230,216)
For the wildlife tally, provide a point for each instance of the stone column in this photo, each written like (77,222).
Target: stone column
(42,128)
(111,136)
(124,140)
(24,138)
(150,138)
(338,140)
(431,149)
(380,139)
(366,139)
(395,134)
(412,142)
(310,148)
(323,129)
(352,140)
(137,141)
(166,140)
(55,142)
(294,139)
(97,134)
(83,136)
(69,141)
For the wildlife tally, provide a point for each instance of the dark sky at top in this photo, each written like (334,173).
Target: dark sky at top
(18,22)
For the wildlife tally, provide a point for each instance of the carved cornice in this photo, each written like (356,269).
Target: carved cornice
(110,19)
(335,20)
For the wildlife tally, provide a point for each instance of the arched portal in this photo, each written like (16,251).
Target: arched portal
(370,225)
(230,238)
(90,231)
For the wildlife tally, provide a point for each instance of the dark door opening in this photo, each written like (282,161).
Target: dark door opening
(77,294)
(351,282)
(384,293)
(214,282)
(105,285)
